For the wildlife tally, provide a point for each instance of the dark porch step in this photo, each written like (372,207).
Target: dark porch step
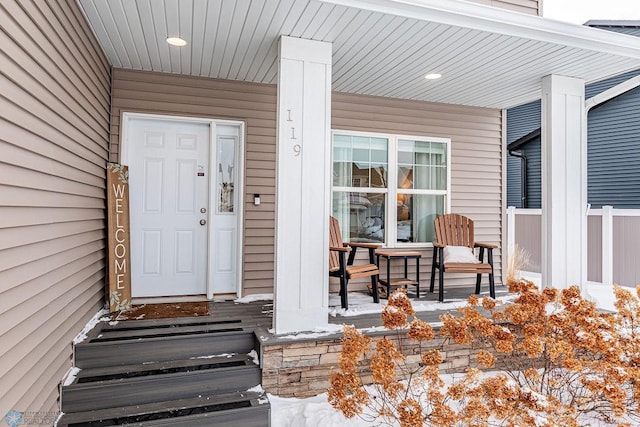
(131,351)
(248,409)
(158,368)
(165,331)
(167,323)
(188,382)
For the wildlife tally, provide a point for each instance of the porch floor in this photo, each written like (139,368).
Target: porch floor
(259,314)
(452,295)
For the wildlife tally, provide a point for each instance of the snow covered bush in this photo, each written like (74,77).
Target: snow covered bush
(551,359)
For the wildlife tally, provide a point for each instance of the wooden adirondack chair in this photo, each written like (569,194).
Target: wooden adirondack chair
(457,230)
(344,269)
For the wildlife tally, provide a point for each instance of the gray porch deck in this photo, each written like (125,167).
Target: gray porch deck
(260,313)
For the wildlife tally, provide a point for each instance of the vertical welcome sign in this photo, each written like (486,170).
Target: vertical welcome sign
(118,239)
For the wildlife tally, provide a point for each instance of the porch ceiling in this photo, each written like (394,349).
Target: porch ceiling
(488,57)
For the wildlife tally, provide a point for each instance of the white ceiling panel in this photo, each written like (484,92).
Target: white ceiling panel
(159,33)
(487,56)
(101,33)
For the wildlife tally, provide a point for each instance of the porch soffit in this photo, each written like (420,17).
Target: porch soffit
(488,57)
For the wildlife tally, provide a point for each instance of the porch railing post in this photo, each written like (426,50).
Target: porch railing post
(607,245)
(511,231)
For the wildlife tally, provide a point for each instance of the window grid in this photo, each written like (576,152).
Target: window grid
(439,157)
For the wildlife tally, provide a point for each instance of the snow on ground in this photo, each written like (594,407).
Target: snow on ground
(602,295)
(253,298)
(317,412)
(310,412)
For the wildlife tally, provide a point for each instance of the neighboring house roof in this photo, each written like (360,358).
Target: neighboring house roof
(612,23)
(515,145)
(594,89)
(624,27)
(617,85)
(613,145)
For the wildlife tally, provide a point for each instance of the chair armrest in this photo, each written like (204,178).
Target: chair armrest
(365,245)
(485,245)
(338,249)
(438,245)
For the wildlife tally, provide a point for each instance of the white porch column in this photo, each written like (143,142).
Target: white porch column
(564,182)
(302,185)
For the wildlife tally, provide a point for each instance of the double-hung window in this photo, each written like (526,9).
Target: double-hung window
(389,188)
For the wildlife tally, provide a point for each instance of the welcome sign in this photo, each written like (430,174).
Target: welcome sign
(118,238)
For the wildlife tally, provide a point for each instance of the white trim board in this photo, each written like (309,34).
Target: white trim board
(612,92)
(501,21)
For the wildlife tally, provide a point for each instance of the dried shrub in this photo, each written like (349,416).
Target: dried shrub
(517,261)
(556,360)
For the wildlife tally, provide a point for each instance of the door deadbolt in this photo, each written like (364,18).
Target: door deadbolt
(203,222)
(203,210)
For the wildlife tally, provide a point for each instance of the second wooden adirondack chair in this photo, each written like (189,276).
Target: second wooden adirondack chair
(457,231)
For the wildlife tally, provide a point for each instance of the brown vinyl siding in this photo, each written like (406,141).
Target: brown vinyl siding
(255,104)
(475,134)
(54,116)
(532,7)
(476,159)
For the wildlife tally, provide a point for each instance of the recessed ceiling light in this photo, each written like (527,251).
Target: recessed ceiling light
(176,41)
(433,76)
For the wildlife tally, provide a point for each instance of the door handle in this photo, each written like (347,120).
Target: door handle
(203,222)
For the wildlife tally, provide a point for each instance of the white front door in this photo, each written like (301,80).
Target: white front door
(169,202)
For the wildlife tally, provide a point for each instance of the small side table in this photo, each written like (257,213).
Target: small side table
(390,255)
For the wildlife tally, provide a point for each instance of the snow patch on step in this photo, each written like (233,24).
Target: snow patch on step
(256,389)
(97,318)
(70,376)
(211,356)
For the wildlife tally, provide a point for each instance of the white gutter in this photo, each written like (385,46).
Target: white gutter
(607,95)
(611,93)
(501,21)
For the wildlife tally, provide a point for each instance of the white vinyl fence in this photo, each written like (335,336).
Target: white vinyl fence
(613,242)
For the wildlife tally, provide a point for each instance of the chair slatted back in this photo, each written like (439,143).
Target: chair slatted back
(335,240)
(454,230)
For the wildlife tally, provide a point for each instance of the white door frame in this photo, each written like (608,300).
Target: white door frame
(125,119)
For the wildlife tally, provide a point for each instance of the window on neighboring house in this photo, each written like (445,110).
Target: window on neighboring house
(389,188)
